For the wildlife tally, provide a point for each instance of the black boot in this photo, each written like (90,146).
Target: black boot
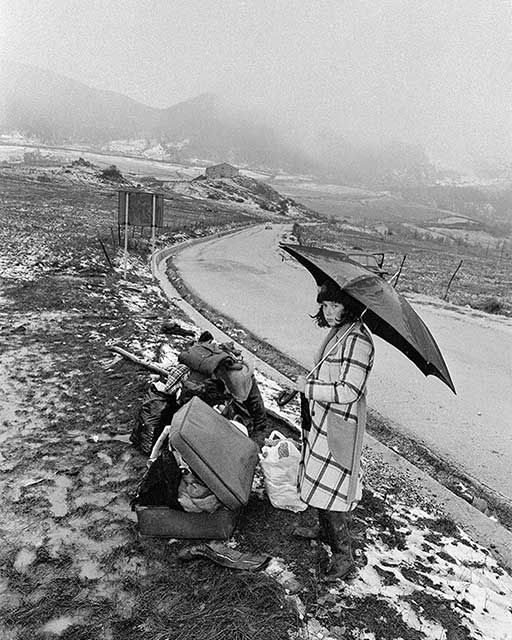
(256,408)
(342,561)
(316,532)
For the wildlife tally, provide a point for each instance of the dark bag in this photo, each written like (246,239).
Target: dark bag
(204,357)
(305,415)
(209,390)
(156,411)
(159,485)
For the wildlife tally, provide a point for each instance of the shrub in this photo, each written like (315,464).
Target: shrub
(112,173)
(489,305)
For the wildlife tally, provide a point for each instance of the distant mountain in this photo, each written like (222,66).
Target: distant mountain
(57,110)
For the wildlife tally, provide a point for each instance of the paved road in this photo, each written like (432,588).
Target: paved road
(244,276)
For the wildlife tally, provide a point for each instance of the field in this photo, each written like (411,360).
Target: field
(366,207)
(482,282)
(72,564)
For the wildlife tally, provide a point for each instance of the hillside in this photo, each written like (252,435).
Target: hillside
(193,200)
(52,109)
(246,192)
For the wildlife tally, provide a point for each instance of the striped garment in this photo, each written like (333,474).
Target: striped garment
(339,387)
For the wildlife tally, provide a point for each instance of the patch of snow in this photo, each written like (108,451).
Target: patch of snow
(57,626)
(455,570)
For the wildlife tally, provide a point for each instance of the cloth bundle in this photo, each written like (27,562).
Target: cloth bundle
(219,374)
(222,361)
(194,496)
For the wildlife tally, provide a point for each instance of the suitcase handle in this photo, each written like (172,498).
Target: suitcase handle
(276,434)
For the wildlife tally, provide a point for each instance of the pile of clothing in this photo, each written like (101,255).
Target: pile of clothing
(215,372)
(220,376)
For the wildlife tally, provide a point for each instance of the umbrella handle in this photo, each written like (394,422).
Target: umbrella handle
(285,396)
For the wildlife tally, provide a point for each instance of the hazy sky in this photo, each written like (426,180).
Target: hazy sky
(437,72)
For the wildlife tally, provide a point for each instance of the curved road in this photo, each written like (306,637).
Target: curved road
(244,276)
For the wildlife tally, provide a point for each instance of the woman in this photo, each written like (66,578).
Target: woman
(331,479)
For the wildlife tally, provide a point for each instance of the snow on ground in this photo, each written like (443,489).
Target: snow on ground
(453,570)
(426,582)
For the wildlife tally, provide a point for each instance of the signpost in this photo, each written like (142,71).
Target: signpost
(142,209)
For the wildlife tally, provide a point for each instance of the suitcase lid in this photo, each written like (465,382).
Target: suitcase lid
(216,451)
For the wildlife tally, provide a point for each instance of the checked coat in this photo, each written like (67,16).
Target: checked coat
(339,386)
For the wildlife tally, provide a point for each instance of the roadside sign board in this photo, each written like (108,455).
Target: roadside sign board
(140,209)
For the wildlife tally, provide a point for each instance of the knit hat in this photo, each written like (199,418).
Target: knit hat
(330,291)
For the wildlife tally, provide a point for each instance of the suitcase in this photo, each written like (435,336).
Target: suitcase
(223,458)
(159,513)
(216,451)
(164,522)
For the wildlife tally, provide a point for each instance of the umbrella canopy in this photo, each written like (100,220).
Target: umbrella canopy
(388,314)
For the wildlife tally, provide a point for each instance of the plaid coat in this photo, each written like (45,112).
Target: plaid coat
(339,387)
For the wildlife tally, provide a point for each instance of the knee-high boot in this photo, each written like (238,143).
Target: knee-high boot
(336,525)
(316,532)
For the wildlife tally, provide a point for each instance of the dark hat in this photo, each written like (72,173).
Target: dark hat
(332,292)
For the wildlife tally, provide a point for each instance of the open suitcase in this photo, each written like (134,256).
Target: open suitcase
(222,457)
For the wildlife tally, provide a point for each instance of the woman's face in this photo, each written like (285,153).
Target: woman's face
(333,312)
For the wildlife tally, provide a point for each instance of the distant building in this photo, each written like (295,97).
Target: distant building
(222,170)
(381,229)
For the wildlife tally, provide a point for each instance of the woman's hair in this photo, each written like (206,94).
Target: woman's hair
(329,291)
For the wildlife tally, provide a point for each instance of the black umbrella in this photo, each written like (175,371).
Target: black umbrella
(387,315)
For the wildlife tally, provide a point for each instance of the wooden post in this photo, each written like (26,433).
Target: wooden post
(126,234)
(143,363)
(105,252)
(400,270)
(397,274)
(153,223)
(451,279)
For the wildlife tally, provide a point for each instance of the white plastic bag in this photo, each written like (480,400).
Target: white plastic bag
(279,460)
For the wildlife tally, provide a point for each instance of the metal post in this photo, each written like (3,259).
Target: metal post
(126,233)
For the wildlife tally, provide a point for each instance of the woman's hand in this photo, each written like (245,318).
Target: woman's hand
(300,384)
